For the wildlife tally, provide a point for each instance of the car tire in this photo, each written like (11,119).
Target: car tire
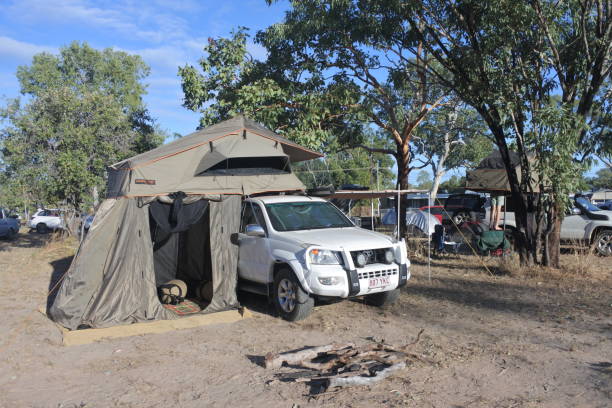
(291,301)
(11,234)
(41,228)
(460,217)
(383,299)
(603,243)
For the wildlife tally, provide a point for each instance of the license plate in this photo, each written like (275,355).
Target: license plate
(378,283)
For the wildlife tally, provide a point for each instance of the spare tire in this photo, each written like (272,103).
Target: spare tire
(172,292)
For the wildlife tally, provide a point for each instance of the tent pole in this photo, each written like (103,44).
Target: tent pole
(504,227)
(372,213)
(398,215)
(429,236)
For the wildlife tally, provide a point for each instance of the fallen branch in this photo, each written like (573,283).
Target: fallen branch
(344,365)
(359,380)
(277,360)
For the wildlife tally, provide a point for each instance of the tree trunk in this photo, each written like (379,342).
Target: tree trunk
(436,184)
(553,237)
(403,159)
(95,195)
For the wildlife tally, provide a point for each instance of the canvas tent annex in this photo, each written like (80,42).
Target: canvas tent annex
(170,214)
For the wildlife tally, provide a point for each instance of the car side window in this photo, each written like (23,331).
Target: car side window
(44,213)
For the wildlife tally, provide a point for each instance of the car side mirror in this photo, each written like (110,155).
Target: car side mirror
(576,211)
(255,230)
(356,221)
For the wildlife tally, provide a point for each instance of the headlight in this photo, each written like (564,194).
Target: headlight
(361,260)
(324,257)
(389,256)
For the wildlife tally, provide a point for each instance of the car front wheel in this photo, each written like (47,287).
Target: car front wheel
(291,301)
(603,243)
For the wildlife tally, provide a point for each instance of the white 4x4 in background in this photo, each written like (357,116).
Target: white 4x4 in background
(296,248)
(586,224)
(45,220)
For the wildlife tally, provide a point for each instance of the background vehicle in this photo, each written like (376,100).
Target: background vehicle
(435,210)
(296,248)
(460,208)
(9,224)
(586,224)
(606,206)
(87,223)
(46,220)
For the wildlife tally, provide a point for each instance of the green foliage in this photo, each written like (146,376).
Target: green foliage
(454,184)
(423,181)
(538,74)
(350,166)
(331,73)
(602,180)
(84,112)
(306,112)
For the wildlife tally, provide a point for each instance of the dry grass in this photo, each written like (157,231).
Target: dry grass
(579,265)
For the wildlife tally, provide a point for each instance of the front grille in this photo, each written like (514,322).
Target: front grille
(372,255)
(377,274)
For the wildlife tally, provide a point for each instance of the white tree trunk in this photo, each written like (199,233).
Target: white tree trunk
(95,195)
(438,167)
(436,183)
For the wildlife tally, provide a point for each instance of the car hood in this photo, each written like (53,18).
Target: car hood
(351,238)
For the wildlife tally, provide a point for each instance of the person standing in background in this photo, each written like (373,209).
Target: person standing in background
(497,202)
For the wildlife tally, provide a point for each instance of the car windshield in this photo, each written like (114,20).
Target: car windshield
(306,215)
(586,204)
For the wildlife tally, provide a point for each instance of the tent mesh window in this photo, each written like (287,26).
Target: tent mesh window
(244,166)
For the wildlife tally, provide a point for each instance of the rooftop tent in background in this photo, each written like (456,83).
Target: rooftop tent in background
(490,175)
(170,214)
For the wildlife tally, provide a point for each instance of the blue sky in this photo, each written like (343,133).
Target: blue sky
(165,33)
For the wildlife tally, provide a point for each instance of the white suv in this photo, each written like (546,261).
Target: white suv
(46,220)
(295,248)
(586,224)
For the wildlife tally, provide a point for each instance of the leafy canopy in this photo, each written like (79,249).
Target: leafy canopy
(83,111)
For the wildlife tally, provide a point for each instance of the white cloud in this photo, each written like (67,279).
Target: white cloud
(164,57)
(11,49)
(122,17)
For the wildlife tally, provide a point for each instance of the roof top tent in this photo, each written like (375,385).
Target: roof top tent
(170,214)
(490,175)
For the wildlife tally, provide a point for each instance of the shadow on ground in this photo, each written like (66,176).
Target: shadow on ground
(26,239)
(60,266)
(256,303)
(528,301)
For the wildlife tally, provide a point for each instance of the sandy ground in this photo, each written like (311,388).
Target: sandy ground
(519,340)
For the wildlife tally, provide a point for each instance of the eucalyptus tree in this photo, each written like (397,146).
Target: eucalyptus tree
(83,111)
(330,73)
(538,74)
(453,137)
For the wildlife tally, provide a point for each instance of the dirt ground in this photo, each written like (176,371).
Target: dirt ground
(517,339)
